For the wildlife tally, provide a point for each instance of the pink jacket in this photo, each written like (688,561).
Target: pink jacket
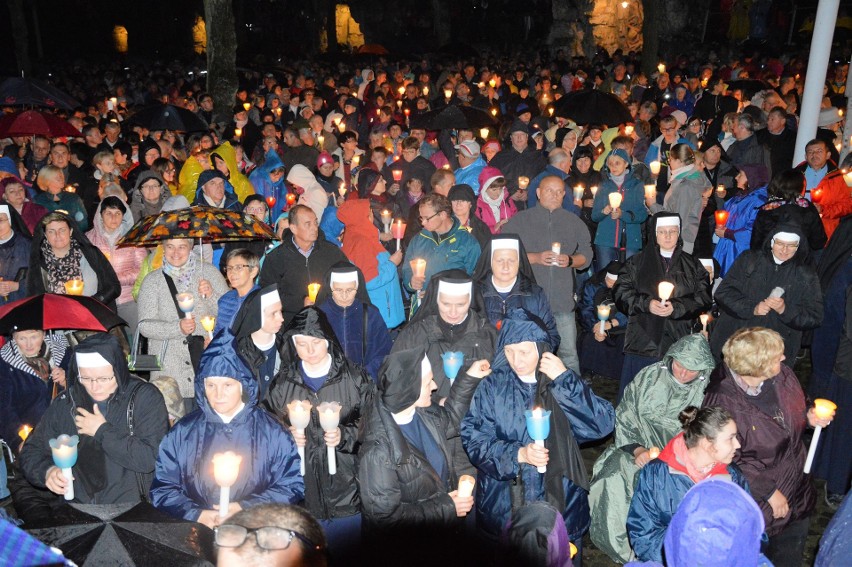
(125,261)
(486,215)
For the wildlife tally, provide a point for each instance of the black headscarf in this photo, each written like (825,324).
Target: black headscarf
(249,319)
(429,303)
(483,266)
(343,267)
(401,378)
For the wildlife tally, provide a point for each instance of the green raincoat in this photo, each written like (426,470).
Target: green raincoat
(647,416)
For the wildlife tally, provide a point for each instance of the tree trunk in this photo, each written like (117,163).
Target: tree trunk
(221,55)
(440,23)
(21,37)
(330,11)
(650,37)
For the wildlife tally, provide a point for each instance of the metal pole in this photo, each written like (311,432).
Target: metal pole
(847,131)
(792,24)
(826,18)
(704,27)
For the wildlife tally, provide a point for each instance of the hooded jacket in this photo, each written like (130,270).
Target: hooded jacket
(326,496)
(231,200)
(138,206)
(95,267)
(752,278)
(261,179)
(742,210)
(113,466)
(240,183)
(125,261)
(458,249)
(647,416)
(626,231)
(495,429)
(269,472)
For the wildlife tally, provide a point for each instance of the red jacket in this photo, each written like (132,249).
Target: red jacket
(836,200)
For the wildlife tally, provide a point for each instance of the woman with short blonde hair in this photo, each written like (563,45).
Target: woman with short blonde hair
(753,351)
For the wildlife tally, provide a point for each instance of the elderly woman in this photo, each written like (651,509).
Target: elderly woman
(767,402)
(735,234)
(314,368)
(32,366)
(112,221)
(526,375)
(148,195)
(165,324)
(406,473)
(241,269)
(14,255)
(228,418)
(646,418)
(773,286)
(51,181)
(61,252)
(684,197)
(704,449)
(14,194)
(112,465)
(357,323)
(255,334)
(363,248)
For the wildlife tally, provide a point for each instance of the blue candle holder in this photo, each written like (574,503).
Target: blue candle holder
(64,449)
(538,426)
(453,361)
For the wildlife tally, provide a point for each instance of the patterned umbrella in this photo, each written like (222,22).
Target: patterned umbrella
(207,224)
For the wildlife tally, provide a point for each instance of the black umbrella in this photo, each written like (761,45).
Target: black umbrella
(592,107)
(16,91)
(453,117)
(168,117)
(50,311)
(127,534)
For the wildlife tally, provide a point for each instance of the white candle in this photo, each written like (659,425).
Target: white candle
(466,484)
(594,190)
(615,200)
(655,167)
(329,415)
(651,192)
(823,409)
(665,290)
(578,193)
(299,413)
(226,469)
(705,318)
(186,302)
(523,182)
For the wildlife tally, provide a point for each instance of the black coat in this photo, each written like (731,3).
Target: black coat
(326,496)
(648,334)
(292,272)
(751,279)
(801,212)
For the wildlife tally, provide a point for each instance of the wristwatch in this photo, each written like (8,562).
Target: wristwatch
(570,260)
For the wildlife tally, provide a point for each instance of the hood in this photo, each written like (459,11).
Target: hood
(136,194)
(126,221)
(248,318)
(312,322)
(693,352)
(207,175)
(536,535)
(429,303)
(229,155)
(520,326)
(7,165)
(272,161)
(401,378)
(302,176)
(717,523)
(107,346)
(483,265)
(220,359)
(789,225)
(343,266)
(38,238)
(144,146)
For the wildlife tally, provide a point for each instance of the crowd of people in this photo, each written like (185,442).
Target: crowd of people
(383,367)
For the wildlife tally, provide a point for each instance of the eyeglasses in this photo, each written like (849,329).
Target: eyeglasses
(672,129)
(344,292)
(785,245)
(672,232)
(267,537)
(236,268)
(424,220)
(100,381)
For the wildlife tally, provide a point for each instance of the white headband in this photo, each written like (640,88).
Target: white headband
(269,298)
(91,360)
(455,289)
(668,221)
(504,244)
(425,366)
(343,277)
(5,209)
(787,236)
(610,276)
(706,262)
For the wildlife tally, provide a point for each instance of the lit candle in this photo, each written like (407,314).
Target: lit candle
(425,91)
(453,362)
(816,195)
(226,469)
(291,199)
(661,68)
(329,415)
(299,414)
(492,83)
(247,106)
(538,427)
(578,193)
(655,167)
(523,182)
(399,104)
(448,93)
(321,140)
(74,287)
(342,189)
(386,219)
(550,111)
(847,177)
(665,289)
(721,218)
(70,189)
(615,200)
(278,112)
(238,132)
(653,452)
(24,432)
(604,310)
(397,175)
(270,201)
(493,112)
(313,290)
(64,449)
(651,192)
(594,190)
(208,323)
(483,133)
(114,101)
(823,409)
(398,231)
(466,484)
(356,160)
(341,126)
(407,113)
(556,248)
(704,318)
(628,130)
(418,267)
(186,302)
(721,191)
(401,91)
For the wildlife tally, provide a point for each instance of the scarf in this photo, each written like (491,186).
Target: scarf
(182,275)
(676,455)
(493,204)
(60,270)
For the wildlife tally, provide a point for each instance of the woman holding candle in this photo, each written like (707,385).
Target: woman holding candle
(619,232)
(735,232)
(314,368)
(228,418)
(54,197)
(704,449)
(406,471)
(526,375)
(163,323)
(645,419)
(464,203)
(60,253)
(765,398)
(583,176)
(601,342)
(372,187)
(113,466)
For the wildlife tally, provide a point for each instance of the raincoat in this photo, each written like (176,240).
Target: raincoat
(262,182)
(742,210)
(269,472)
(240,183)
(647,416)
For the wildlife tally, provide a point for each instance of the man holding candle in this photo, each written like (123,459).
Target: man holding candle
(113,466)
(519,160)
(228,418)
(539,228)
(526,375)
(411,164)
